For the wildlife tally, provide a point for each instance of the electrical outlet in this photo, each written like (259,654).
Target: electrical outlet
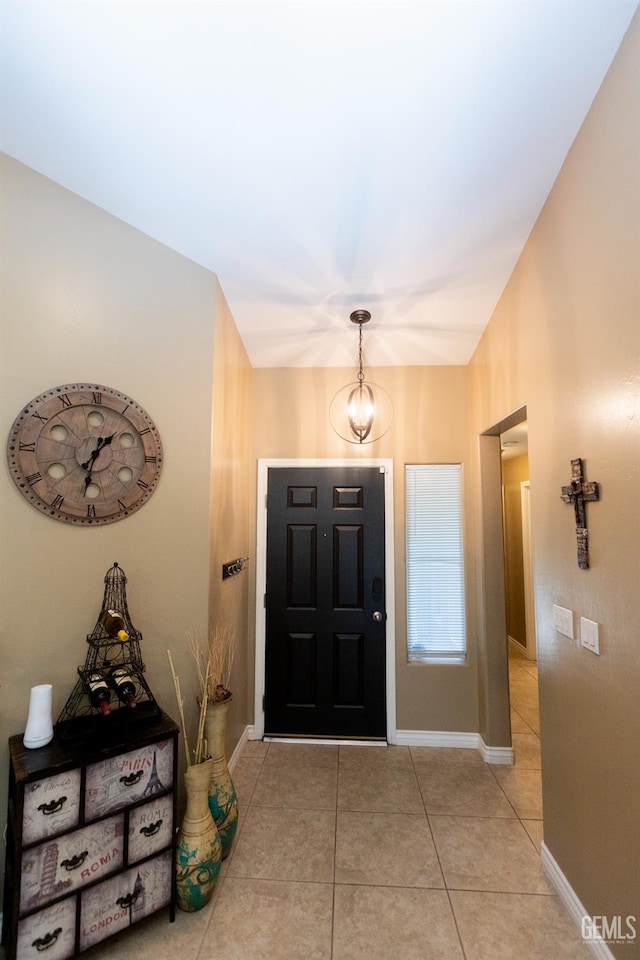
(590,635)
(563,621)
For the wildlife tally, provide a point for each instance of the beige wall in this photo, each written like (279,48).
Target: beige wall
(85,297)
(231,494)
(514,472)
(565,340)
(430,426)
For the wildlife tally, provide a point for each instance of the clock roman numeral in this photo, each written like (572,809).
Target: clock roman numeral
(150,459)
(39,416)
(28,447)
(125,409)
(146,430)
(33,478)
(65,399)
(143,485)
(57,502)
(122,505)
(97,397)
(91,510)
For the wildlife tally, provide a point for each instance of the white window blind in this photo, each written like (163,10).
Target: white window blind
(435,562)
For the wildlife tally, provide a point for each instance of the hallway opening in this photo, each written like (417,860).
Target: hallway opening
(524,711)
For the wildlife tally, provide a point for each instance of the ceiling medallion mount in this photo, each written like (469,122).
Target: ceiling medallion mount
(361,412)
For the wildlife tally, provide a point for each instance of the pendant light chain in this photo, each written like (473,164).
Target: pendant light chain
(360,371)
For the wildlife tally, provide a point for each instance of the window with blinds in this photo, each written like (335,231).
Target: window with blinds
(435,563)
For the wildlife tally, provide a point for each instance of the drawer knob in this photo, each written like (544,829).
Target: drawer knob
(151,829)
(132,778)
(129,900)
(52,807)
(72,863)
(42,943)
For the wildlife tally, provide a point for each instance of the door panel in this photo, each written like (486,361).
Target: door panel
(301,566)
(325,654)
(300,666)
(347,568)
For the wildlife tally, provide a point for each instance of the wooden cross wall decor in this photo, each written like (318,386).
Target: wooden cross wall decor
(577,493)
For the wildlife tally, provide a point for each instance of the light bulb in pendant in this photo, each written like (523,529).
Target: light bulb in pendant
(361,411)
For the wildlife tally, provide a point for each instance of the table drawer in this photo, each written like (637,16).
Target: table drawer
(150,828)
(69,862)
(51,806)
(123,900)
(119,781)
(49,934)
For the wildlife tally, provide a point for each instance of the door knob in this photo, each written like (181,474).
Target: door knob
(378,616)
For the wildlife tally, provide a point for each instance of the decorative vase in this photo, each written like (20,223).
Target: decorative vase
(39,729)
(223,799)
(198,853)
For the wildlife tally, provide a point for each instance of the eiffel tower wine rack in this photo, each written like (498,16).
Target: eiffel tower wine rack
(79,717)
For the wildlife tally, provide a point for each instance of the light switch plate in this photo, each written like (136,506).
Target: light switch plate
(563,621)
(590,635)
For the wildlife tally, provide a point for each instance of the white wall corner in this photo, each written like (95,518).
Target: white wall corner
(598,948)
(497,755)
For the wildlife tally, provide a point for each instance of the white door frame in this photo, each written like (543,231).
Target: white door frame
(386,465)
(527,561)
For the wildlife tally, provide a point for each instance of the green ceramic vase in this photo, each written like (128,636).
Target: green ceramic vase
(223,800)
(198,853)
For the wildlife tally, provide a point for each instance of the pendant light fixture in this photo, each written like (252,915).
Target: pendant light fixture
(361,411)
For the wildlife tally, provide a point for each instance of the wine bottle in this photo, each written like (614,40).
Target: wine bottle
(113,623)
(99,693)
(125,687)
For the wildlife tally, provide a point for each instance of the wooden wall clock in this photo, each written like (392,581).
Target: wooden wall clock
(85,454)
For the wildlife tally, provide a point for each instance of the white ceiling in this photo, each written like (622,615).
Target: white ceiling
(317,156)
(515,441)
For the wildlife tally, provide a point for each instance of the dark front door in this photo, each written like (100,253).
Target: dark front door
(325,617)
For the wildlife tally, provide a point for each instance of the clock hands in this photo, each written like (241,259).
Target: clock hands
(88,464)
(102,442)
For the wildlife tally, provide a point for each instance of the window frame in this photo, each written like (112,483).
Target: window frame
(435,649)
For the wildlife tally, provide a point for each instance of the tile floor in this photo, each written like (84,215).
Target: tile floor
(373,853)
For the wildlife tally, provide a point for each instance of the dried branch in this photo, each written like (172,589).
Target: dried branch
(180,699)
(213,662)
(221,650)
(200,741)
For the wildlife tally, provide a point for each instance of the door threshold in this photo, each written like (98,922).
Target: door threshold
(328,741)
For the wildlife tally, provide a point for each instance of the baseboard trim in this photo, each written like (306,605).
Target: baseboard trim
(567,894)
(520,647)
(412,738)
(497,755)
(452,738)
(437,738)
(240,745)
